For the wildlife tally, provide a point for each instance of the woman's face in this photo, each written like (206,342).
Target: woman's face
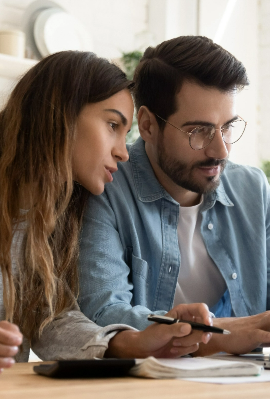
(100,140)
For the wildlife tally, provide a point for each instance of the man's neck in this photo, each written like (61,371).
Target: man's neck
(184,197)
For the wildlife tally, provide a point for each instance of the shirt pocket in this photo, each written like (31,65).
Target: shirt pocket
(140,267)
(140,277)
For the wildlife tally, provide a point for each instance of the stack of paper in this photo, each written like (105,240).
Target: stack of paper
(186,367)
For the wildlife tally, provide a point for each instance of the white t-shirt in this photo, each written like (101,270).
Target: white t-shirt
(199,279)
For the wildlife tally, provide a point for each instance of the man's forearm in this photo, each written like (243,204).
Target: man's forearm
(247,333)
(219,343)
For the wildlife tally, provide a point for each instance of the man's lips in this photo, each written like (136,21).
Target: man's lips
(210,171)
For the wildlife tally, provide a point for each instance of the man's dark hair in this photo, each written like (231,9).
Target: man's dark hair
(163,69)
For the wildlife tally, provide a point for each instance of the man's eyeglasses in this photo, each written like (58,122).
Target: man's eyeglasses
(201,136)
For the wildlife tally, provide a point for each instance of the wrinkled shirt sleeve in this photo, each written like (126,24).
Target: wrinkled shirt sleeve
(73,336)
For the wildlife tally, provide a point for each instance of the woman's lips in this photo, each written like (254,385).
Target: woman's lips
(109,172)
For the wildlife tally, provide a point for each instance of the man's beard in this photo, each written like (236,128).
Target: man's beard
(181,174)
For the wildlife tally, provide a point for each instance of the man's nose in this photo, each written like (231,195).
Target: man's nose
(217,148)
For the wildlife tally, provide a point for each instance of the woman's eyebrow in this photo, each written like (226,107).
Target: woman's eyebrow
(123,118)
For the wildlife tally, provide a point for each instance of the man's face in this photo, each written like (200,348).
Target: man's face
(175,163)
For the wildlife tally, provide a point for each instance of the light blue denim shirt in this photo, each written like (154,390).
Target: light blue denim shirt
(129,252)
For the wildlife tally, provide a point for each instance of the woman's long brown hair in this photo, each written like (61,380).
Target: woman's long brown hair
(37,132)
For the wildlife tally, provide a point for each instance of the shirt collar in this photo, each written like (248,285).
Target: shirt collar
(217,195)
(148,187)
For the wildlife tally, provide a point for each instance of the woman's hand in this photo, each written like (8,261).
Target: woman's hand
(10,339)
(164,341)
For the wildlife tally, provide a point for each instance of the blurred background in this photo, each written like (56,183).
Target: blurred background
(120,30)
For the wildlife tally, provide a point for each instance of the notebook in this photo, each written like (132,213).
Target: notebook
(185,367)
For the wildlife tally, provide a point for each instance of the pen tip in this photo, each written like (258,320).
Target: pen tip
(225,332)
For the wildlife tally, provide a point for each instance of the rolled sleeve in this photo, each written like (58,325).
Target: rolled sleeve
(73,336)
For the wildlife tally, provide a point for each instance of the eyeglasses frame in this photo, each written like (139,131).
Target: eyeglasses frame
(190,133)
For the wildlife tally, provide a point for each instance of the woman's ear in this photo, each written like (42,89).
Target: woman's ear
(147,124)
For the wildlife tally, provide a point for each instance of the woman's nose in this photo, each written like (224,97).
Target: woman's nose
(121,153)
(217,148)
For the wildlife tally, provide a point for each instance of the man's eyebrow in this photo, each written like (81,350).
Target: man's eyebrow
(232,120)
(123,118)
(204,123)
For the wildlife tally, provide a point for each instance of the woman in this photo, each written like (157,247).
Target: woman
(62,133)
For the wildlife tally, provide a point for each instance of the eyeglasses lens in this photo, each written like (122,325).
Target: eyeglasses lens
(233,131)
(201,136)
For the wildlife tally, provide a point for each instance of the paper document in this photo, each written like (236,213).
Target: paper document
(263,377)
(226,380)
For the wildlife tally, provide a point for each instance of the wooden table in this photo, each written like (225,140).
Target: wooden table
(22,383)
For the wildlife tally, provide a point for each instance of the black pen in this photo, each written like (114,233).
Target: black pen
(195,325)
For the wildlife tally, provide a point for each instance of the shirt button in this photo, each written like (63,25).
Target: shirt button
(210,226)
(234,275)
(170,268)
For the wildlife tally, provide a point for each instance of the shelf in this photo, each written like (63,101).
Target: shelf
(13,67)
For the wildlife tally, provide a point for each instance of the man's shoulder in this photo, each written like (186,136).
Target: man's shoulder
(244,181)
(128,146)
(234,170)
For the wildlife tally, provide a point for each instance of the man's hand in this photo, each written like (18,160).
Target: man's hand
(247,333)
(161,340)
(196,312)
(10,339)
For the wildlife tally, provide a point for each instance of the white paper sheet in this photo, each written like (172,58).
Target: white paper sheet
(264,377)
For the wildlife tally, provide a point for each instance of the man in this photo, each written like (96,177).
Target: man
(180,223)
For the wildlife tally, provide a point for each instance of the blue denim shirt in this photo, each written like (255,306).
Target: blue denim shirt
(129,252)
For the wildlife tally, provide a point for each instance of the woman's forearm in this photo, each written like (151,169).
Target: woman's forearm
(125,344)
(73,336)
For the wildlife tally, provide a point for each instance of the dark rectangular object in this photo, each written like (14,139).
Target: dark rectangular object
(86,368)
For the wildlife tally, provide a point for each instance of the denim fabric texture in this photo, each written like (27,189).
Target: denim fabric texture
(129,253)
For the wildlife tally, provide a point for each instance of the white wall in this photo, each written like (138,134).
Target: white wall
(263,122)
(240,37)
(113,24)
(6,86)
(172,18)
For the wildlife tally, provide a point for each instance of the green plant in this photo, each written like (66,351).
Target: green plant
(266,169)
(130,61)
